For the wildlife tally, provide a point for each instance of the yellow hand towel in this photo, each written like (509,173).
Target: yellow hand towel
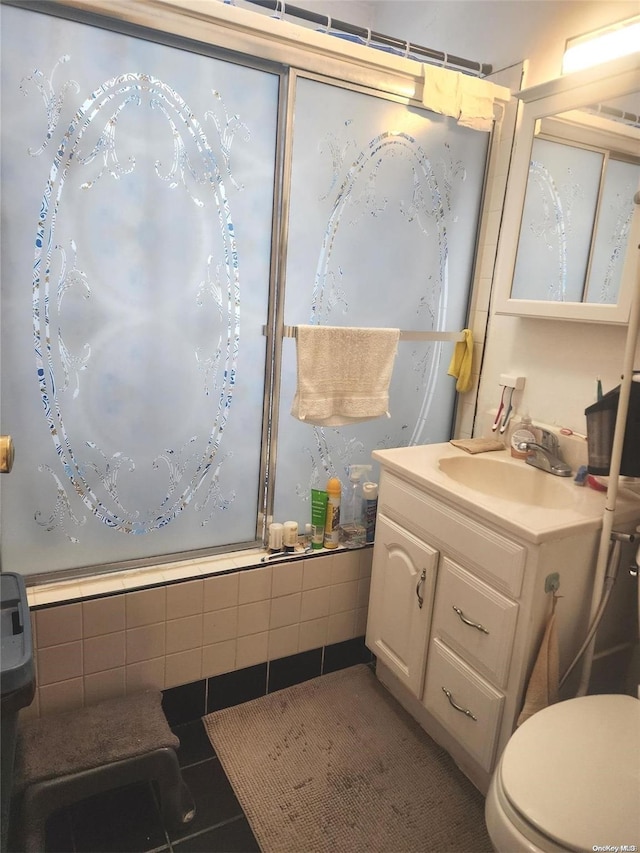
(462,362)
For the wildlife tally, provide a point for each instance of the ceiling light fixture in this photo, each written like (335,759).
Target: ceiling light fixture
(602,45)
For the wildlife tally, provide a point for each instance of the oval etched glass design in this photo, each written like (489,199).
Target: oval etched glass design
(140,326)
(128,364)
(382,226)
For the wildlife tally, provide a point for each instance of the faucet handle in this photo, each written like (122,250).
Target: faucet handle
(550,441)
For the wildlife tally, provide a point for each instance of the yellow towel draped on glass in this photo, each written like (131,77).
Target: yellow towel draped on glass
(462,362)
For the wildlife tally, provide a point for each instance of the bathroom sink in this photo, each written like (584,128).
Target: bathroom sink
(513,482)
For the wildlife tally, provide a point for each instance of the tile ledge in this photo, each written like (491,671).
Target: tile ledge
(99,586)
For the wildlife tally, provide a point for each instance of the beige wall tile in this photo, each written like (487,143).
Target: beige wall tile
(146,607)
(183,634)
(313,634)
(344,596)
(59,663)
(218,658)
(361,621)
(252,650)
(316,573)
(63,696)
(366,558)
(183,667)
(285,610)
(220,625)
(255,585)
(103,616)
(57,625)
(346,566)
(287,578)
(185,599)
(283,642)
(104,685)
(145,675)
(341,627)
(315,603)
(364,589)
(253,618)
(104,652)
(145,643)
(221,591)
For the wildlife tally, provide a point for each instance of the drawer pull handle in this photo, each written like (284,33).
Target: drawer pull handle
(464,711)
(466,621)
(421,583)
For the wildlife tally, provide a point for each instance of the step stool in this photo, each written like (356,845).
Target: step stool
(63,759)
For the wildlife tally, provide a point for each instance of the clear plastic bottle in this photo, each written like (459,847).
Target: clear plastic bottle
(370,509)
(353,533)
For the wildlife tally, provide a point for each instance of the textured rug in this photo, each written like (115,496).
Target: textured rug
(336,764)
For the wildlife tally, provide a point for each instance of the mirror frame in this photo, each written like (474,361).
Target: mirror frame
(594,85)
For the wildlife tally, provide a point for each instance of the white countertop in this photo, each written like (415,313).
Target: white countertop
(584,508)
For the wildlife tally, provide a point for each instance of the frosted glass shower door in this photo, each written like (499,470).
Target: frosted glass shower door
(137,195)
(383,218)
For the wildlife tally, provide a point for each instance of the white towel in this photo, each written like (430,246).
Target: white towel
(476,103)
(440,91)
(343,374)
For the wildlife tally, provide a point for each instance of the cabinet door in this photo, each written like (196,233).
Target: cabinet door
(403,578)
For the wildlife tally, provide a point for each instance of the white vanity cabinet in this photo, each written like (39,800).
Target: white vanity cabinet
(458,608)
(401,602)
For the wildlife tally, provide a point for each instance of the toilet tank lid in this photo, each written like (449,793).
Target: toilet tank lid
(573,771)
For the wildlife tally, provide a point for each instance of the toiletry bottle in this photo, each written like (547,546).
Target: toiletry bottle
(332,523)
(290,536)
(275,537)
(370,509)
(523,431)
(352,530)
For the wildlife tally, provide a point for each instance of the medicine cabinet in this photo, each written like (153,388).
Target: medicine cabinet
(569,216)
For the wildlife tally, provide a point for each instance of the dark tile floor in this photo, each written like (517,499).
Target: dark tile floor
(128,820)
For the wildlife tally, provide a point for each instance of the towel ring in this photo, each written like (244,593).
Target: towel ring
(328,25)
(281,7)
(368,41)
(445,59)
(407,49)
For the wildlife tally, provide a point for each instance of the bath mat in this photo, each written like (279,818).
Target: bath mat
(337,765)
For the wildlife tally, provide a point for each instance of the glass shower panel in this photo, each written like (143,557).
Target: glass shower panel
(137,194)
(383,218)
(557,222)
(620,183)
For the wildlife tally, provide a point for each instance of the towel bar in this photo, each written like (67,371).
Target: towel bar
(292,332)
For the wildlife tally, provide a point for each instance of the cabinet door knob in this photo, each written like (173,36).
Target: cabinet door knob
(466,621)
(421,583)
(7,454)
(464,711)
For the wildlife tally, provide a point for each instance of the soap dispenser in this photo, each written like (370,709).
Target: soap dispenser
(353,532)
(523,431)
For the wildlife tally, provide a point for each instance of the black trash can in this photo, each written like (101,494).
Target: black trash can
(601,424)
(17,679)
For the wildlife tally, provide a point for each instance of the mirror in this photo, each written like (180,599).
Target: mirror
(570,214)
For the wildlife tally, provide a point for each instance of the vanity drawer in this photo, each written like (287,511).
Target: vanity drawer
(466,692)
(495,558)
(475,621)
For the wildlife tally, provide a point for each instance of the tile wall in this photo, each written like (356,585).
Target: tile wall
(174,634)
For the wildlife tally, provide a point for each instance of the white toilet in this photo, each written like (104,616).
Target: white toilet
(569,779)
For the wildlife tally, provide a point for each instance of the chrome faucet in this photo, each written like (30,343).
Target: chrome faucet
(546,455)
